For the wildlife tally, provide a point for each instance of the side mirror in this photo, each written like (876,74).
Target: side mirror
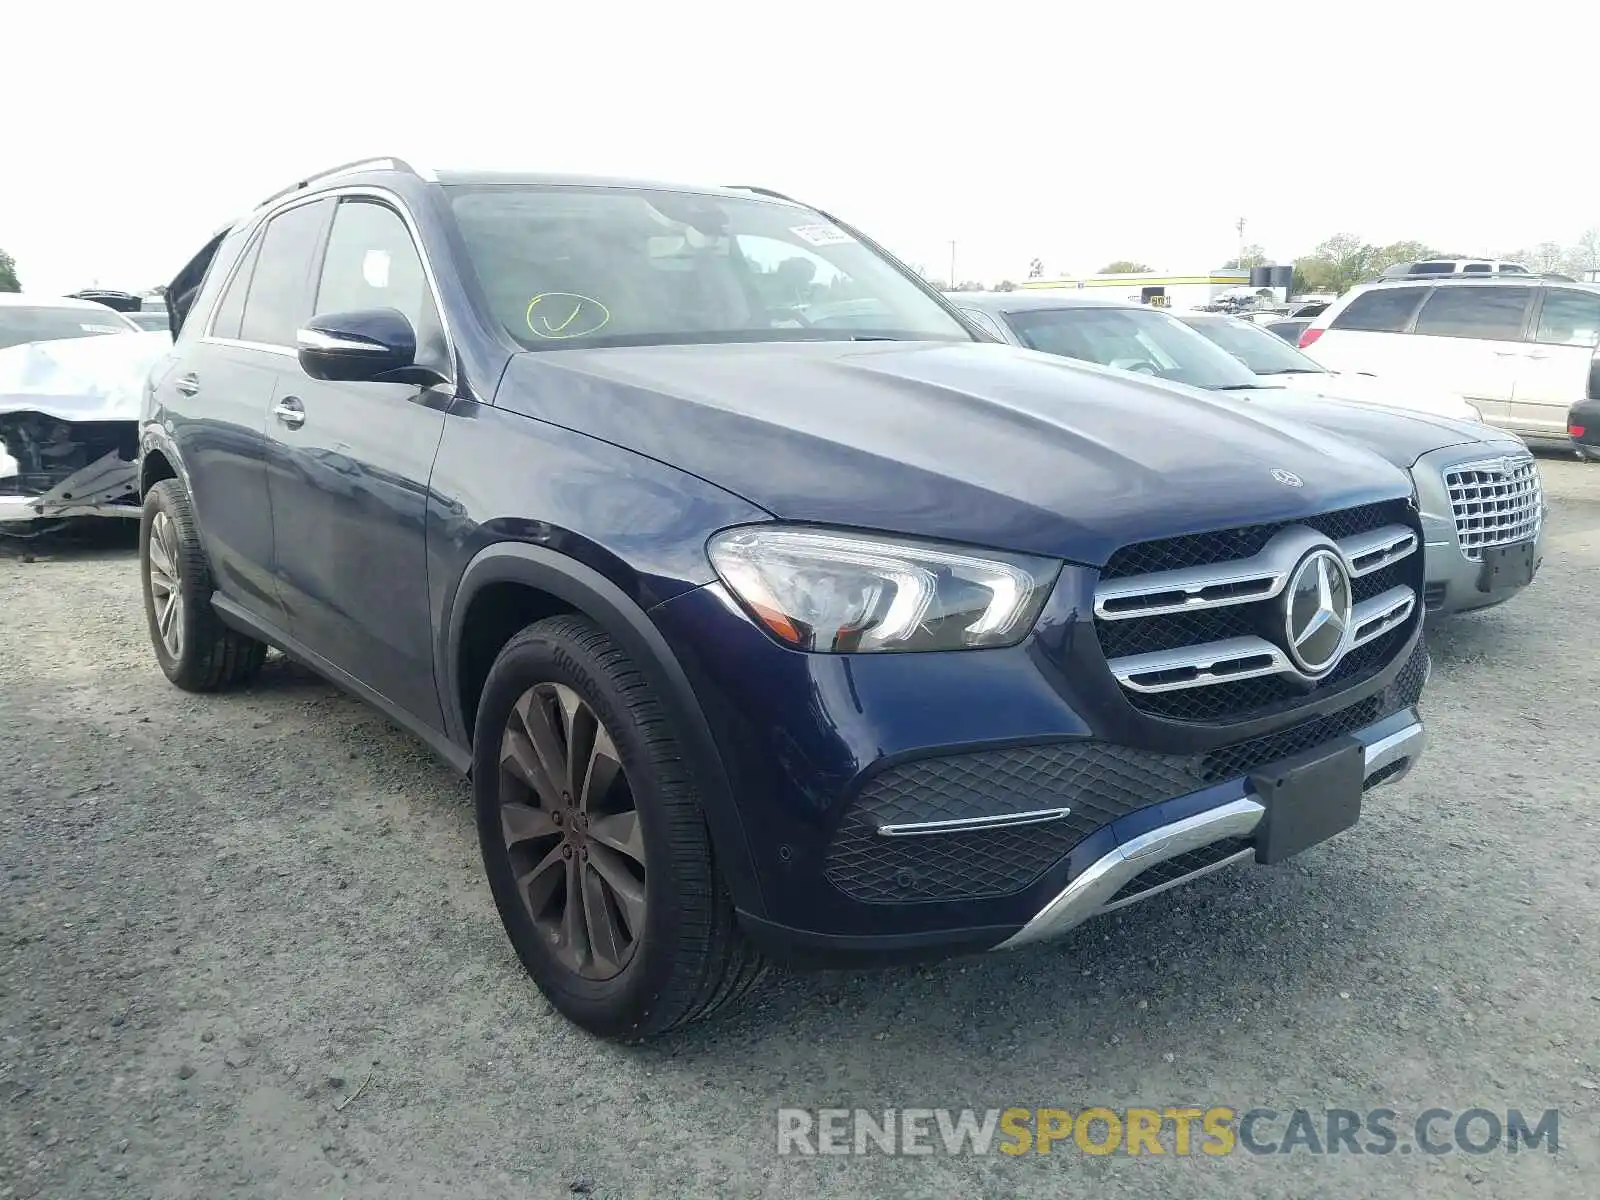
(369,345)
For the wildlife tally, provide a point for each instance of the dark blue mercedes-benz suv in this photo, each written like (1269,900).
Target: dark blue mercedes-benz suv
(774,609)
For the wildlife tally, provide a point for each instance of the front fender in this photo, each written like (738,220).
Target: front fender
(597,597)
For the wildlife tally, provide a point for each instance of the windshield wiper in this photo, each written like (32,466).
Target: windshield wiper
(1242,387)
(1296,371)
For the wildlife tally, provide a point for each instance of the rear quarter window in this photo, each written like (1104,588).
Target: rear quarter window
(1383,310)
(1495,313)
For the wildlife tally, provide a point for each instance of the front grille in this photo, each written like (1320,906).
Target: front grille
(1225,545)
(1100,782)
(1495,503)
(1214,613)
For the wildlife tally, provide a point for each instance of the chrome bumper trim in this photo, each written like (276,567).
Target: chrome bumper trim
(966,824)
(1091,892)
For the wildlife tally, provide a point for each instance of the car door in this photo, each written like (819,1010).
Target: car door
(350,473)
(1468,339)
(1555,368)
(215,399)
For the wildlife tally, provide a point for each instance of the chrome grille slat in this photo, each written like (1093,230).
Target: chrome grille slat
(1247,581)
(1200,633)
(1251,657)
(1495,503)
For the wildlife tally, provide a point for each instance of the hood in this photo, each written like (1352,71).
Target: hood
(974,442)
(1400,435)
(80,379)
(1369,389)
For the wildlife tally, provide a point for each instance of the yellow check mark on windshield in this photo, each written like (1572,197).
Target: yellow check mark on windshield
(552,301)
(578,308)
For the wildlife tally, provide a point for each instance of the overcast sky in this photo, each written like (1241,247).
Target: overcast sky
(1078,133)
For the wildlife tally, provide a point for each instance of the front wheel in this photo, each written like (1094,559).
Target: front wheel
(195,649)
(594,841)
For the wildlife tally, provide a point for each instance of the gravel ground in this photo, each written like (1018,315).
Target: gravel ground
(246,950)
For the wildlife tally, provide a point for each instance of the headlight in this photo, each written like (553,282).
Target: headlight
(848,592)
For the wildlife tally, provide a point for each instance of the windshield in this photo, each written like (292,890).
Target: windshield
(151,319)
(566,267)
(1263,351)
(1132,339)
(46,324)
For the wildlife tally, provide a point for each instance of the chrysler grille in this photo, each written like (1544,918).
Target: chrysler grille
(1495,503)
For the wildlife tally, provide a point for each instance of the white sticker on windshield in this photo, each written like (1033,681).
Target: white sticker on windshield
(375,268)
(822,235)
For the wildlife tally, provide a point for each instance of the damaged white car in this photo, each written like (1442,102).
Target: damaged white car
(69,418)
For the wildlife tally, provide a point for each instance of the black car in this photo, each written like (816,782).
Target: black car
(1583,427)
(773,608)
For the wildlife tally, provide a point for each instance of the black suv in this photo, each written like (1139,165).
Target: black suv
(773,608)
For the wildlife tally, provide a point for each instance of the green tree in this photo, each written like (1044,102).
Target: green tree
(8,274)
(1399,252)
(1124,266)
(1254,256)
(1005,285)
(1344,260)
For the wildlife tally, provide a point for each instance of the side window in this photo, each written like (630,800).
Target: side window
(372,262)
(1569,318)
(1382,310)
(1433,268)
(230,311)
(277,304)
(1476,269)
(1494,313)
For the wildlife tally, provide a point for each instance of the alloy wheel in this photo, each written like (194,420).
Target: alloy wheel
(572,831)
(166,580)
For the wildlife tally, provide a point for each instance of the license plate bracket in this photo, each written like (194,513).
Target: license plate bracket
(1508,566)
(1309,798)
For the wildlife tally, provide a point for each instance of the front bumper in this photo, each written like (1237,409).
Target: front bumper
(897,807)
(1456,583)
(105,488)
(1145,864)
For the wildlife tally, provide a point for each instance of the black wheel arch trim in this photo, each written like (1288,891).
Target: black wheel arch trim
(591,593)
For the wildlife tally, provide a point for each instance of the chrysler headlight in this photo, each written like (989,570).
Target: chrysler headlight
(848,592)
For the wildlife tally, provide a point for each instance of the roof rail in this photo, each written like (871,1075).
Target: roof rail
(387,162)
(1467,277)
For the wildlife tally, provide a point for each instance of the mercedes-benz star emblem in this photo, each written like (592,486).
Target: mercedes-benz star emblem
(1287,478)
(1317,606)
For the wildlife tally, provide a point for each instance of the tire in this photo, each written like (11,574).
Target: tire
(195,649)
(686,956)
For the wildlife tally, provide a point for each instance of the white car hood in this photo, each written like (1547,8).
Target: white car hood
(80,379)
(1369,389)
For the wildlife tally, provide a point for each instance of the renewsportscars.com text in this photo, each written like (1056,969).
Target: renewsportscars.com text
(1177,1131)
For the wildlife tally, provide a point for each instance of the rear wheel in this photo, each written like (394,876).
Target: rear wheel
(594,841)
(195,649)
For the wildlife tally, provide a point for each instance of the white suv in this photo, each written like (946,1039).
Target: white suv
(1522,351)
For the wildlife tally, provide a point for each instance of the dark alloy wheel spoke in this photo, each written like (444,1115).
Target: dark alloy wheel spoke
(566,807)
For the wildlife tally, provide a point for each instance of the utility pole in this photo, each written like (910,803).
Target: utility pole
(952,266)
(1240,228)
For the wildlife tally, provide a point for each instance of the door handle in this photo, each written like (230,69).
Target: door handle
(290,411)
(1508,353)
(1538,354)
(188,384)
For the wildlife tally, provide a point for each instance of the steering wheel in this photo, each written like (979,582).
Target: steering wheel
(1139,366)
(793,311)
